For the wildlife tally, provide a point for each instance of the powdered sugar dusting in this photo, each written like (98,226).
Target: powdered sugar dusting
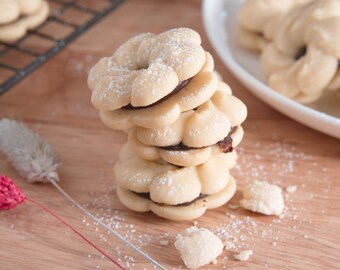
(142,76)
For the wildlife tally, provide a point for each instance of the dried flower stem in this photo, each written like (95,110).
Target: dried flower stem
(11,196)
(76,232)
(106,226)
(36,161)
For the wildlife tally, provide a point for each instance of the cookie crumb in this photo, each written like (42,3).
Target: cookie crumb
(230,215)
(262,197)
(195,223)
(164,242)
(291,189)
(233,206)
(198,247)
(244,255)
(228,244)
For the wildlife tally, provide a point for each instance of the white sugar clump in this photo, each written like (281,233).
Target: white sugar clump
(244,255)
(291,189)
(228,245)
(198,247)
(262,197)
(233,206)
(164,242)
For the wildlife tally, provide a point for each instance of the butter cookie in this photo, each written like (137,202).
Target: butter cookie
(302,61)
(19,16)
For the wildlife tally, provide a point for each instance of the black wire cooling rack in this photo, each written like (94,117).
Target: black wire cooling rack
(68,19)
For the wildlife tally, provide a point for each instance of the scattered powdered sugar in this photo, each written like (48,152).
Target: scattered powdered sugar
(243,255)
(253,167)
(235,232)
(238,231)
(166,180)
(80,66)
(164,243)
(284,167)
(101,206)
(163,133)
(233,206)
(228,244)
(291,189)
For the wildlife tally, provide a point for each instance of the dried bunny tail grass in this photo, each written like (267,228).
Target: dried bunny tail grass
(32,157)
(36,161)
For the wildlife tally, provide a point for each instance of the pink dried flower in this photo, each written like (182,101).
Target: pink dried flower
(10,194)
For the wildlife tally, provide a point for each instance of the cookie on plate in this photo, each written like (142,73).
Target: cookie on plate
(255,16)
(302,61)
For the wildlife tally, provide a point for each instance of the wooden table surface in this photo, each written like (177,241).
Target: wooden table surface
(55,102)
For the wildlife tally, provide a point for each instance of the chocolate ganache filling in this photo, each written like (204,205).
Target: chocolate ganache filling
(178,88)
(146,195)
(301,53)
(225,144)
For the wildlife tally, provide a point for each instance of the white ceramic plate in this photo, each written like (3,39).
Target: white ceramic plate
(219,17)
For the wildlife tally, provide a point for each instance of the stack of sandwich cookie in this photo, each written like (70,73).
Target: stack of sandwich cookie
(19,16)
(182,122)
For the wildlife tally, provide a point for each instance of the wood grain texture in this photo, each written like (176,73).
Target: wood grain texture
(55,101)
